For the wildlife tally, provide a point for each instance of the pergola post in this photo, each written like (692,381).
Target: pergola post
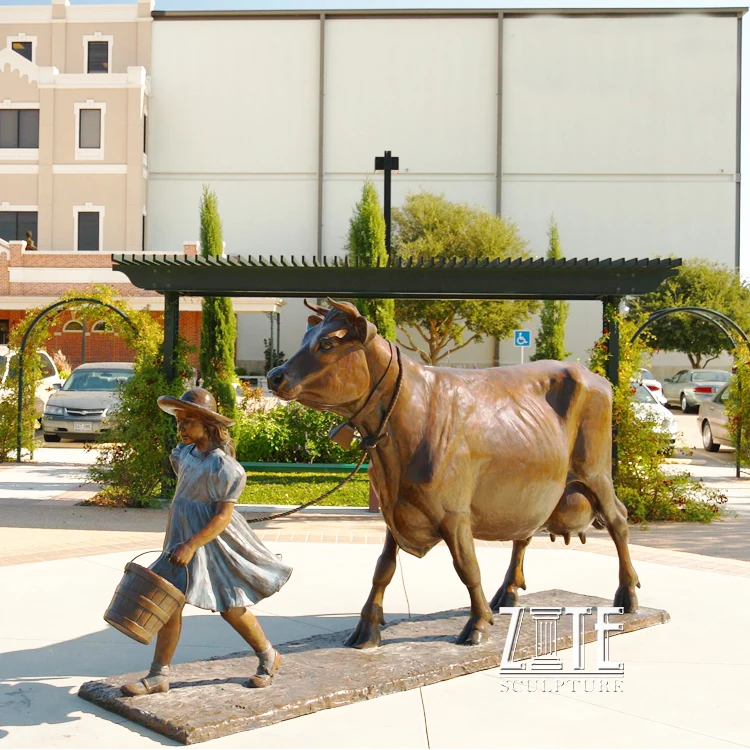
(611,326)
(171,332)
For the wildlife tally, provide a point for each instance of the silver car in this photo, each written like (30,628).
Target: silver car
(714,423)
(689,388)
(83,407)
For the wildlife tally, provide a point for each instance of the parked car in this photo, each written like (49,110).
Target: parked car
(647,407)
(49,382)
(83,407)
(689,388)
(653,385)
(713,422)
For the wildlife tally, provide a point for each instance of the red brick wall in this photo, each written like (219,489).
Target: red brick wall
(104,347)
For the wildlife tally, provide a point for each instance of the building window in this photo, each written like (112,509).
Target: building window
(19,128)
(143,233)
(4,331)
(15,224)
(23,44)
(145,132)
(88,230)
(101,326)
(98,57)
(25,49)
(89,130)
(97,53)
(73,326)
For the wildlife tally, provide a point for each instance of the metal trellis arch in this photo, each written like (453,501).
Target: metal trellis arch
(42,314)
(712,316)
(718,319)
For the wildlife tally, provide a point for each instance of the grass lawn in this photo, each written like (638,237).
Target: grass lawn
(295,488)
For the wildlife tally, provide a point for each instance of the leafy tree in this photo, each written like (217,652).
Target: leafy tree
(219,329)
(429,226)
(366,247)
(550,341)
(699,283)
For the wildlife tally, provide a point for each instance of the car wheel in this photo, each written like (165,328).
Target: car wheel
(686,408)
(51,438)
(708,438)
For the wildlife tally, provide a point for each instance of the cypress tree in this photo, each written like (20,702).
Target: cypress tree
(366,247)
(219,326)
(550,340)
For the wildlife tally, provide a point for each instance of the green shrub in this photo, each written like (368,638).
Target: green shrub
(290,434)
(132,463)
(649,490)
(738,405)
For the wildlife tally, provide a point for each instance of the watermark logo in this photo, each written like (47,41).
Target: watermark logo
(600,677)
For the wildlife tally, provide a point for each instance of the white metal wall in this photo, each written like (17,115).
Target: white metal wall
(623,127)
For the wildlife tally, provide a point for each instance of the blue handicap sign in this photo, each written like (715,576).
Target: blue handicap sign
(522,338)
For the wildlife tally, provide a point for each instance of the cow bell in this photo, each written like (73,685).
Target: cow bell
(343,435)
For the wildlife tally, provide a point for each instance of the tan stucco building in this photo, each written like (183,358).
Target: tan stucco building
(74,99)
(74,93)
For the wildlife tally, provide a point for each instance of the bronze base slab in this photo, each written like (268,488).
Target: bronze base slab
(208,699)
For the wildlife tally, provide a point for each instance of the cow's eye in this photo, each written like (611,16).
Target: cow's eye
(325,345)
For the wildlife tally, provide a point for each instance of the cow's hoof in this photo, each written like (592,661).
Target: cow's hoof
(505,597)
(365,635)
(475,631)
(626,598)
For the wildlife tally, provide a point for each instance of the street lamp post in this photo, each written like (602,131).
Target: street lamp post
(387,164)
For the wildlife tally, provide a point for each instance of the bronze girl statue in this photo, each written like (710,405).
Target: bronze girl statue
(229,568)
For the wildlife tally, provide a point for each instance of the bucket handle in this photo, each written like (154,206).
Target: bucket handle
(168,552)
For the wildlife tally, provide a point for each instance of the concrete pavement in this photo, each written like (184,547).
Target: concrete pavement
(684,682)
(681,687)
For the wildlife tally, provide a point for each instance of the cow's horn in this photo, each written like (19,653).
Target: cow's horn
(315,308)
(345,307)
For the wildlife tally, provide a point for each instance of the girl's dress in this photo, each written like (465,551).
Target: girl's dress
(235,569)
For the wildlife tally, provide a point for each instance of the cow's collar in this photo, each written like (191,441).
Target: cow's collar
(343,433)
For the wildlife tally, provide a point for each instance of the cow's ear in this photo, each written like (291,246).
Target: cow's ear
(313,320)
(364,330)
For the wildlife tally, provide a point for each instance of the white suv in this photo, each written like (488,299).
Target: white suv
(50,377)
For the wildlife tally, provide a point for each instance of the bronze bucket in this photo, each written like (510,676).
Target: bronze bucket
(143,602)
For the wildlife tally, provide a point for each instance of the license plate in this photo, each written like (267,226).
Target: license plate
(83,427)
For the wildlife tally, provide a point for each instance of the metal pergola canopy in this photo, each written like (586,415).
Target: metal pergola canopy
(520,278)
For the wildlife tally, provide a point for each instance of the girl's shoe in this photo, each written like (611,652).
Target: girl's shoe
(265,674)
(151,683)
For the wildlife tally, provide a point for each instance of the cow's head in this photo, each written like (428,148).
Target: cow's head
(329,371)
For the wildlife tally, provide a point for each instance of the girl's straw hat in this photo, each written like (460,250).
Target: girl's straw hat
(197,401)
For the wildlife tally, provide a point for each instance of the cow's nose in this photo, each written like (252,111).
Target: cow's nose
(276,377)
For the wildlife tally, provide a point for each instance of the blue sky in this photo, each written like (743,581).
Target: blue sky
(496,4)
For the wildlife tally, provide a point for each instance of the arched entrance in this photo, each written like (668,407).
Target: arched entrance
(723,323)
(22,351)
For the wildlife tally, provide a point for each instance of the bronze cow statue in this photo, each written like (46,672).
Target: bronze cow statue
(495,454)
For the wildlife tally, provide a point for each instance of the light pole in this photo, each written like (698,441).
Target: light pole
(387,164)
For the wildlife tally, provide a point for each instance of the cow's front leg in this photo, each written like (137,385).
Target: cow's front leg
(507,594)
(367,632)
(456,531)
